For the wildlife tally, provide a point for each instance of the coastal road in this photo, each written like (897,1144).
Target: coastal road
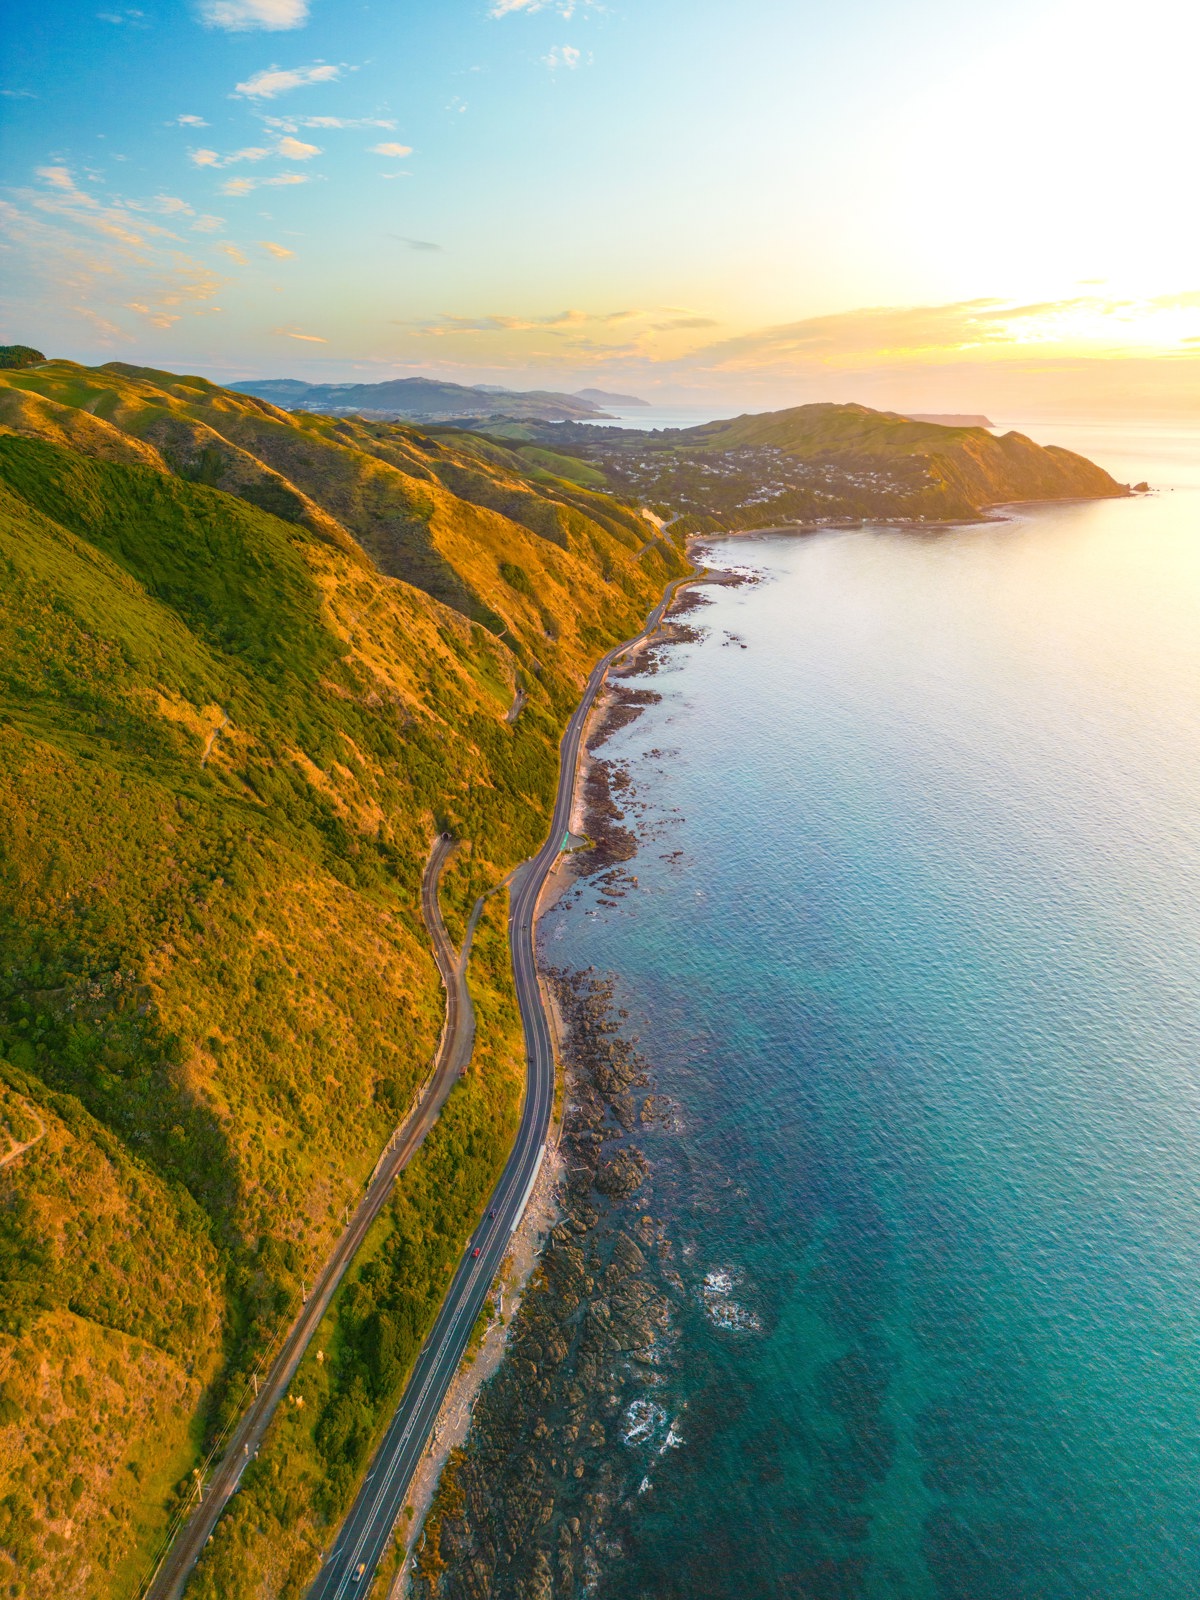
(351,1563)
(453,1054)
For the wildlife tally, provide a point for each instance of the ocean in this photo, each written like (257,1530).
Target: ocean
(645,418)
(911,945)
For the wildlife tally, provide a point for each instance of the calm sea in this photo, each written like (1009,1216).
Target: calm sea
(915,950)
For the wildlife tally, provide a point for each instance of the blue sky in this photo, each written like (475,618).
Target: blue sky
(918,201)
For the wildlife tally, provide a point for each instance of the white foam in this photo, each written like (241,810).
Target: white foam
(643,1419)
(722,1310)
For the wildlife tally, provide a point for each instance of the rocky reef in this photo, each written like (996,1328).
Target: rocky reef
(533,1506)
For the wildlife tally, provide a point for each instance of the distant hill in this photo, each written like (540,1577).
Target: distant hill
(419,400)
(826,463)
(955,471)
(951,419)
(602,397)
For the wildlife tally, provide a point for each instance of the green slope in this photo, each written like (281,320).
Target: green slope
(822,463)
(967,468)
(226,739)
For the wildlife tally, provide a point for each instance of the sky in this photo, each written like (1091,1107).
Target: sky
(982,205)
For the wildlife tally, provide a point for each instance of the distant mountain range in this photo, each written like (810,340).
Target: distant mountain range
(430,400)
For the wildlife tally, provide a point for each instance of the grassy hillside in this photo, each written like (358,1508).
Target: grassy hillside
(965,468)
(823,463)
(249,665)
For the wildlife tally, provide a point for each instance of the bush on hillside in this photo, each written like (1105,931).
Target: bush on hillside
(19,355)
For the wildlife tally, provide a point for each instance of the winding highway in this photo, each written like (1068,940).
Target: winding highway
(453,1054)
(351,1563)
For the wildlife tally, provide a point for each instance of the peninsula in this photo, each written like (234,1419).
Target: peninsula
(825,463)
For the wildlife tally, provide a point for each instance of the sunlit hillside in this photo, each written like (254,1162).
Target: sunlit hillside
(251,665)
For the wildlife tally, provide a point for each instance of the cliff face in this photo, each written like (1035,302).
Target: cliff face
(250,664)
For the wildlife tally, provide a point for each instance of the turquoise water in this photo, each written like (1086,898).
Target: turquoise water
(915,949)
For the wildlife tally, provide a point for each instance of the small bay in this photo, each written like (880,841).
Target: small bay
(914,952)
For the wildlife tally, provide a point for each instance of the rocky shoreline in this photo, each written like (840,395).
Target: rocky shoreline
(566,1433)
(531,1506)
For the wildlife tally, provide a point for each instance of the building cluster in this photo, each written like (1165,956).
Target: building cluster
(724,483)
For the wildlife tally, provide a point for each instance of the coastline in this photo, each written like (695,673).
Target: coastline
(554,1379)
(654,1536)
(454,1419)
(520,1262)
(994,512)
(368,1531)
(692,1429)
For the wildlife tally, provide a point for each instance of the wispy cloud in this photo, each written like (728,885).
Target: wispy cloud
(991,333)
(248,16)
(188,121)
(279,251)
(60,178)
(415,244)
(109,332)
(553,322)
(397,151)
(168,205)
(234,254)
(103,261)
(123,19)
(563,55)
(273,81)
(683,324)
(237,187)
(286,148)
(157,317)
(635,338)
(17,94)
(294,333)
(565,8)
(295,149)
(292,124)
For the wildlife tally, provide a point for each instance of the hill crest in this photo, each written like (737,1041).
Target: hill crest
(421,399)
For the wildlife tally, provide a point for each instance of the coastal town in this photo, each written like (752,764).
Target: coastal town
(744,485)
